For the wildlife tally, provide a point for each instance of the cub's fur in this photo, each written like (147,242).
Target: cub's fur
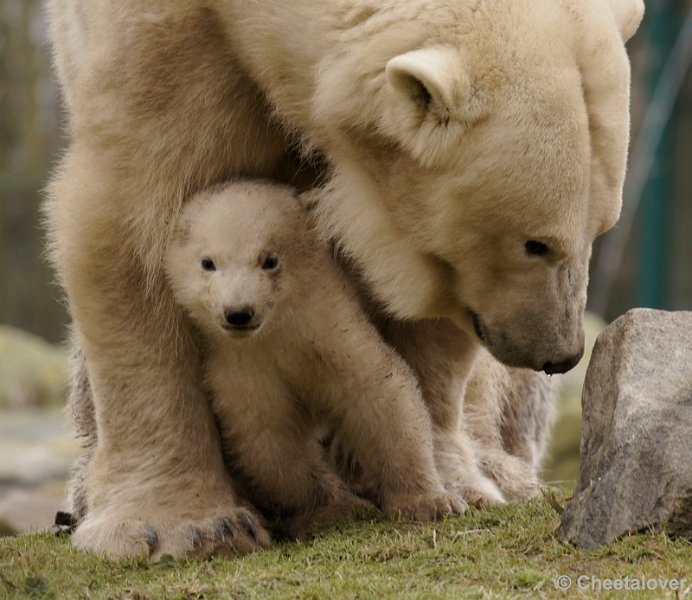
(287,349)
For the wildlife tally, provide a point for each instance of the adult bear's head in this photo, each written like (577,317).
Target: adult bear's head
(505,139)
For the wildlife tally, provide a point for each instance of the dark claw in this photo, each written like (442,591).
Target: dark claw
(229,527)
(64,519)
(151,538)
(249,524)
(65,523)
(196,536)
(218,531)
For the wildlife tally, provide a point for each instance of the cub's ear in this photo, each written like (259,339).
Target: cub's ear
(431,101)
(628,16)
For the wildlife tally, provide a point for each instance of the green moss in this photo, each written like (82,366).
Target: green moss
(503,552)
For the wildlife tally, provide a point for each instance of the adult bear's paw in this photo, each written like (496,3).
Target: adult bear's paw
(429,506)
(457,464)
(118,535)
(513,475)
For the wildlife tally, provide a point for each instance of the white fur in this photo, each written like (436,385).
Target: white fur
(628,15)
(525,140)
(307,358)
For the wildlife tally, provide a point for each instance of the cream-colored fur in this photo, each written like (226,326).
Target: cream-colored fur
(288,351)
(457,131)
(507,417)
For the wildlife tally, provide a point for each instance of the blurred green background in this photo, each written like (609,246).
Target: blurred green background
(644,261)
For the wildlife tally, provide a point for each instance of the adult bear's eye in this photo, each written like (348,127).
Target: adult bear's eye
(534,248)
(208,264)
(271,262)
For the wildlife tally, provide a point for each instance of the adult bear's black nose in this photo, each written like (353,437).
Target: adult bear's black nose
(564,366)
(239,317)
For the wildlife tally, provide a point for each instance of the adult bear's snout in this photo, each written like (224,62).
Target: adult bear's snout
(562,367)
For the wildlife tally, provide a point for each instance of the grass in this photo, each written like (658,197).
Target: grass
(502,552)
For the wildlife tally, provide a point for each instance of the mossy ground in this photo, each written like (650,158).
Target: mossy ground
(501,552)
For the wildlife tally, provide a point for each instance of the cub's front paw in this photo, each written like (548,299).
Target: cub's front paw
(429,506)
(306,525)
(118,535)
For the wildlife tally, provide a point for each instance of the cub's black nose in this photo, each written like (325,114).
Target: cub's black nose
(564,366)
(239,317)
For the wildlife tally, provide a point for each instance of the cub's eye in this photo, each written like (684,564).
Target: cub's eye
(208,264)
(534,248)
(271,262)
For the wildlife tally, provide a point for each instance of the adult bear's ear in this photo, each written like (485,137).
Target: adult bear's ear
(628,16)
(431,102)
(427,77)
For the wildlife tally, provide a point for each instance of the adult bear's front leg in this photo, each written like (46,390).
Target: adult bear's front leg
(156,483)
(509,413)
(442,356)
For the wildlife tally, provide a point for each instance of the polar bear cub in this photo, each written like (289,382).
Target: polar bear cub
(288,348)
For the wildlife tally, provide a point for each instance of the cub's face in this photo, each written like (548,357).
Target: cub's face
(232,264)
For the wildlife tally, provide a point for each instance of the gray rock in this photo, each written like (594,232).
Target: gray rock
(36,452)
(35,447)
(24,465)
(636,446)
(33,373)
(24,511)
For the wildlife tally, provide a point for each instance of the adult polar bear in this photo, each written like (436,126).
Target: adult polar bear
(478,147)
